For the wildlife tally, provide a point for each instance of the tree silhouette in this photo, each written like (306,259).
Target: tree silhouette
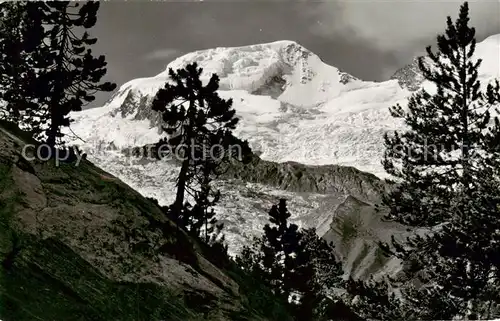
(74,74)
(21,55)
(50,66)
(446,166)
(298,266)
(447,134)
(199,126)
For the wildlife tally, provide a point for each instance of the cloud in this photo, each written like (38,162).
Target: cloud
(394,24)
(162,54)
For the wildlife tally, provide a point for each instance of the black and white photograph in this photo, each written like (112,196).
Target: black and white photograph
(250,160)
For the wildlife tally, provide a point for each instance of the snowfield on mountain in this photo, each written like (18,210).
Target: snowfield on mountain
(292,108)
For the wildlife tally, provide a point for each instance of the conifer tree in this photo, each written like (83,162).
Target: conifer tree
(316,273)
(202,216)
(447,130)
(21,55)
(465,266)
(47,65)
(440,164)
(374,300)
(298,266)
(458,263)
(199,126)
(74,73)
(272,257)
(282,242)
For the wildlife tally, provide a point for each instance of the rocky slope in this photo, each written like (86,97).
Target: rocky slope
(318,196)
(349,220)
(76,243)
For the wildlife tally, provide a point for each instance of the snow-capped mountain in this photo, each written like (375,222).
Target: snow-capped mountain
(292,107)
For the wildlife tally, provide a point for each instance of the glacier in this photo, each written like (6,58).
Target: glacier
(292,107)
(320,116)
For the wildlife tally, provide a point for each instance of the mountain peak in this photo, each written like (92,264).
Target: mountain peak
(283,70)
(250,67)
(488,50)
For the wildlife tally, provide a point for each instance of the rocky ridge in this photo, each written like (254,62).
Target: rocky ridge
(76,243)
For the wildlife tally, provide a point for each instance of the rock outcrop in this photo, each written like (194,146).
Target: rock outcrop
(76,243)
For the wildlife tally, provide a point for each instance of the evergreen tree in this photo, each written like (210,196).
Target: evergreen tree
(280,248)
(465,266)
(47,65)
(447,131)
(199,126)
(298,265)
(202,216)
(458,263)
(272,257)
(316,274)
(375,300)
(21,55)
(74,74)
(440,165)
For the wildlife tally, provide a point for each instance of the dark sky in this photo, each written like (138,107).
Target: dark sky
(368,39)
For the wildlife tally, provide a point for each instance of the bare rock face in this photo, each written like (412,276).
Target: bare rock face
(347,217)
(409,76)
(356,230)
(78,244)
(137,106)
(300,178)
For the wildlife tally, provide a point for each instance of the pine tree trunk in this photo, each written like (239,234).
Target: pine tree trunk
(182,181)
(206,188)
(181,187)
(55,114)
(465,120)
(206,226)
(51,136)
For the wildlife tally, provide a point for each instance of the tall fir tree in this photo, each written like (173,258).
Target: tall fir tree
(50,66)
(201,219)
(316,274)
(272,257)
(439,164)
(199,127)
(74,75)
(458,263)
(466,266)
(447,132)
(299,266)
